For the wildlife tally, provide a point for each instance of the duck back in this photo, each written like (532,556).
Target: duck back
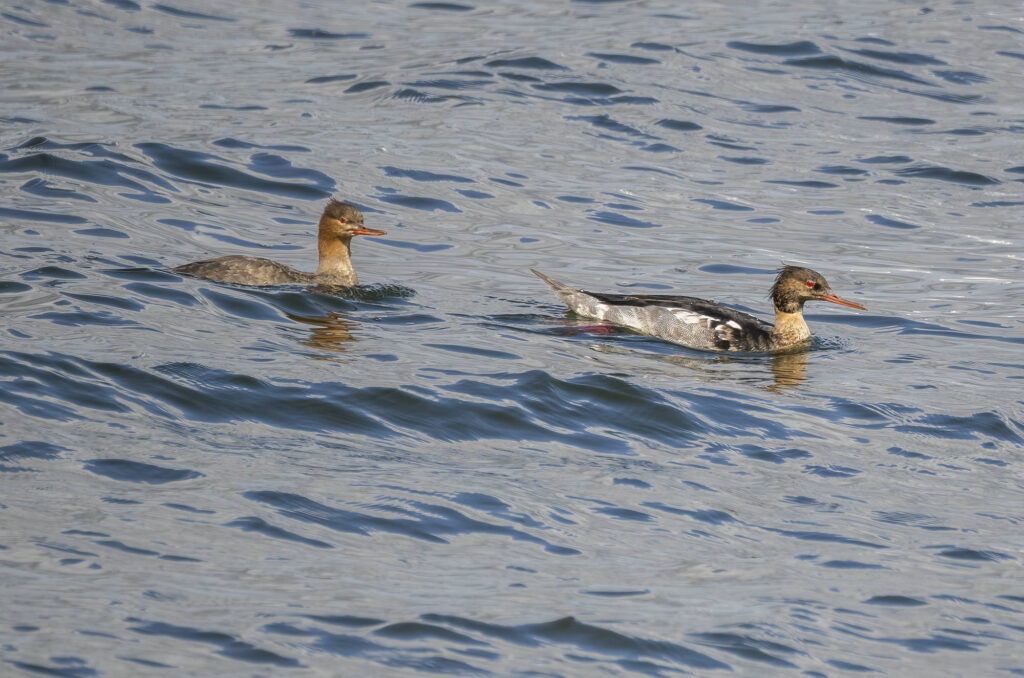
(244,270)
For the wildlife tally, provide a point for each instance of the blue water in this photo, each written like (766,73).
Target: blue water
(442,472)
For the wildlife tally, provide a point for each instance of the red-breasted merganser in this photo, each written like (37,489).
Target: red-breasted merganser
(339,222)
(706,325)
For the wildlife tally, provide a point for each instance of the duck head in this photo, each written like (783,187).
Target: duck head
(795,285)
(341,220)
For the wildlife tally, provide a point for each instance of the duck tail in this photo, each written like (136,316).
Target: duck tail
(570,295)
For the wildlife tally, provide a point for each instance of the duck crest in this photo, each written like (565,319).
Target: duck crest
(336,208)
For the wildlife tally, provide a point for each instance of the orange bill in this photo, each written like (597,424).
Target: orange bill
(836,299)
(363,230)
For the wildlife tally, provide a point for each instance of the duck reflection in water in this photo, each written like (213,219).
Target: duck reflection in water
(330,332)
(788,368)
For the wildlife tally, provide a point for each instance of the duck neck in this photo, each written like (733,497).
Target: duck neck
(335,260)
(790,327)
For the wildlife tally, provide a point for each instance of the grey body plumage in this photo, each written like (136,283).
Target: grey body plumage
(338,224)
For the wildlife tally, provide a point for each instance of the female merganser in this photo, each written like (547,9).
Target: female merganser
(339,222)
(703,324)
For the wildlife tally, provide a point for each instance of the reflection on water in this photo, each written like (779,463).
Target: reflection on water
(786,369)
(790,369)
(330,332)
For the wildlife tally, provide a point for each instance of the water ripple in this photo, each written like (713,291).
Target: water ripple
(429,522)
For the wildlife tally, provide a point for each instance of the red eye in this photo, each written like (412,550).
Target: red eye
(810,283)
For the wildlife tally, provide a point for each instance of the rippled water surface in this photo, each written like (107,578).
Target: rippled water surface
(442,471)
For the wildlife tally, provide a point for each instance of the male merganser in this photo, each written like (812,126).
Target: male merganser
(339,222)
(706,325)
